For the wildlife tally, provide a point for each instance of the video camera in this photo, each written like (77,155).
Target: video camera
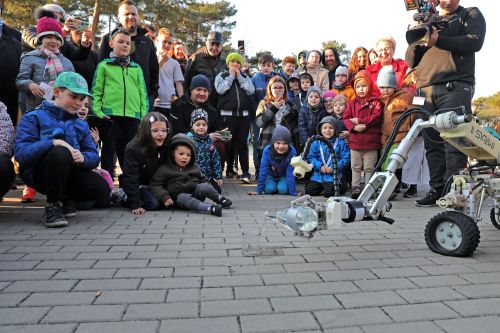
(427,18)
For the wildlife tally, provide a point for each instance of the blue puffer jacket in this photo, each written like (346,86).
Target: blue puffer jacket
(269,167)
(308,120)
(314,157)
(260,81)
(207,156)
(38,128)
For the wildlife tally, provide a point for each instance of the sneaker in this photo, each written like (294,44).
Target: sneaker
(245,178)
(69,208)
(216,210)
(225,202)
(230,174)
(411,192)
(356,191)
(429,200)
(29,195)
(53,216)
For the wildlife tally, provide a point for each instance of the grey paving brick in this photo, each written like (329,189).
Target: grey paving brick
(161,311)
(175,262)
(50,256)
(37,286)
(384,284)
(488,324)
(201,271)
(10,256)
(347,275)
(130,296)
(102,256)
(234,307)
(326,288)
(167,283)
(446,269)
(205,325)
(110,284)
(480,290)
(11,300)
(398,272)
(118,241)
(26,275)
(232,281)
(256,269)
(438,281)
(369,299)
(351,317)
(491,277)
(153,255)
(144,272)
(84,313)
(213,294)
(308,267)
(416,312)
(122,327)
(17,265)
(84,248)
(285,259)
(44,328)
(229,261)
(427,327)
(85,274)
(360,264)
(436,294)
(343,330)
(408,262)
(288,278)
(10,316)
(59,298)
(311,303)
(183,295)
(278,322)
(265,291)
(327,257)
(129,263)
(476,307)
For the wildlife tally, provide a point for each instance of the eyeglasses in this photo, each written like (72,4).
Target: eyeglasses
(386,49)
(328,101)
(157,130)
(62,20)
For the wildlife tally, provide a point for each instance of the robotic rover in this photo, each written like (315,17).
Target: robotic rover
(453,232)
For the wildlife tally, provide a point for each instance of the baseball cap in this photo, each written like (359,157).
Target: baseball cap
(73,82)
(215,37)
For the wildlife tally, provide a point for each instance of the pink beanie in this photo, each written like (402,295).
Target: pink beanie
(330,94)
(48,26)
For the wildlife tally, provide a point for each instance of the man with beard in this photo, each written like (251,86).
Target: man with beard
(331,61)
(208,62)
(143,50)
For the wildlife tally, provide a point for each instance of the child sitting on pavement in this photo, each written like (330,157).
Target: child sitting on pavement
(180,181)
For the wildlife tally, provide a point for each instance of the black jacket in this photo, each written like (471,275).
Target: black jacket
(69,50)
(139,168)
(204,63)
(180,115)
(453,56)
(169,180)
(10,51)
(86,67)
(144,55)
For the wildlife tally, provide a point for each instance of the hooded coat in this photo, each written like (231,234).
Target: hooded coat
(180,115)
(170,180)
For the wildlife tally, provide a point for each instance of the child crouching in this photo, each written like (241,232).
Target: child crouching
(276,173)
(320,157)
(180,181)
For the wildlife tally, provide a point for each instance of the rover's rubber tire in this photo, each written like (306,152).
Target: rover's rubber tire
(494,218)
(452,234)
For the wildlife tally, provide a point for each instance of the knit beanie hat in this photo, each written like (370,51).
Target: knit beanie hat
(199,81)
(365,76)
(329,94)
(235,56)
(328,120)
(289,60)
(342,70)
(313,89)
(55,9)
(281,133)
(341,98)
(387,78)
(48,25)
(199,114)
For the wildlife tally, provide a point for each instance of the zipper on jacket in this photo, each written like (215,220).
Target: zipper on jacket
(124,92)
(238,98)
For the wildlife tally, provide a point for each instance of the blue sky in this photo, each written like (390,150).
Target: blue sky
(285,27)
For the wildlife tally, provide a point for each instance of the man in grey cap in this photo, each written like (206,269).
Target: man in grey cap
(209,62)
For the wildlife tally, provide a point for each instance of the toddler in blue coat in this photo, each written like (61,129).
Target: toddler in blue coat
(320,157)
(276,173)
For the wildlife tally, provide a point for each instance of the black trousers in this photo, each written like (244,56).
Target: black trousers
(443,159)
(7,175)
(239,128)
(58,178)
(123,129)
(314,188)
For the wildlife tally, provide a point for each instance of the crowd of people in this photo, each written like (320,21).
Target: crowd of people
(175,121)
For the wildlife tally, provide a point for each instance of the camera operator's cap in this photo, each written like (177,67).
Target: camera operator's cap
(215,37)
(73,82)
(235,56)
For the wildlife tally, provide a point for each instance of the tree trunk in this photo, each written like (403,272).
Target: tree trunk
(95,23)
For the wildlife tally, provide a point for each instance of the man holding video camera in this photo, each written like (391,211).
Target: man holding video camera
(445,79)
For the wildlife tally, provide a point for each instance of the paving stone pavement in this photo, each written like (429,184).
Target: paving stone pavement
(174,271)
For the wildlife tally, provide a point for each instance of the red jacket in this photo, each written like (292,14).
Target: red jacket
(400,67)
(368,113)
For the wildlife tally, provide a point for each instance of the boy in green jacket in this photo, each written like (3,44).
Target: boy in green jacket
(120,95)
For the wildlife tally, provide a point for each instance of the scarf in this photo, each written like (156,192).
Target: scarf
(122,61)
(313,108)
(53,64)
(278,161)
